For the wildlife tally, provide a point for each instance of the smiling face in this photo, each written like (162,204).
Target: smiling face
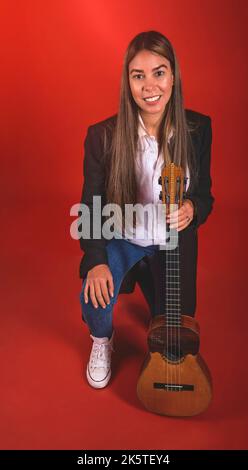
(151,80)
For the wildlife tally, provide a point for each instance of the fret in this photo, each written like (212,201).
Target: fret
(173,299)
(174,306)
(173,315)
(173,320)
(173,254)
(174,275)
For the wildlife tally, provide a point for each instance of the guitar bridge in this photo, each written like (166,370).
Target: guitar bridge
(174,387)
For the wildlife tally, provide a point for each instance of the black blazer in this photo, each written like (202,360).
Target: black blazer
(94,184)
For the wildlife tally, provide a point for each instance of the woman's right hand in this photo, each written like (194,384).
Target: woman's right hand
(100,283)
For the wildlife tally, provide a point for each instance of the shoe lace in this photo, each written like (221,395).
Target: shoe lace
(101,354)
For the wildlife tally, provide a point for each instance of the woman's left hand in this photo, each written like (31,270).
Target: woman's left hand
(181,218)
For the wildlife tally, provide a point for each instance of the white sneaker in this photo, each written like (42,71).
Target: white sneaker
(99,365)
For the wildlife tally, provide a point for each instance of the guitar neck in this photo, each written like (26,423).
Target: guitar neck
(172,306)
(173,192)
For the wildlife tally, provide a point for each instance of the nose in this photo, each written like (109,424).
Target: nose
(149,84)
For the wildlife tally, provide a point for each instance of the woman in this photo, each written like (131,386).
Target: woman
(123,158)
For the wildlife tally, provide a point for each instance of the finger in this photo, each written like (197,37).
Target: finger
(178,219)
(172,215)
(92,294)
(182,213)
(98,294)
(105,293)
(182,225)
(86,298)
(110,285)
(173,208)
(178,212)
(176,222)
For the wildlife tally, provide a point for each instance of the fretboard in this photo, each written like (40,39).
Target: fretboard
(172,305)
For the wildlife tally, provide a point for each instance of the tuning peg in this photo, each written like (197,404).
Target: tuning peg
(160,180)
(160,196)
(185,179)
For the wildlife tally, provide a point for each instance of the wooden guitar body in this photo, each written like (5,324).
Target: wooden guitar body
(174,380)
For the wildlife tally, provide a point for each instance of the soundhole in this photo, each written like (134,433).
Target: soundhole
(168,345)
(173,356)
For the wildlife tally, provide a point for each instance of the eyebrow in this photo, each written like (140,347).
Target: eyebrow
(155,68)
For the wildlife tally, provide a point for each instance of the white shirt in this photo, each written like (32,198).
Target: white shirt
(149,231)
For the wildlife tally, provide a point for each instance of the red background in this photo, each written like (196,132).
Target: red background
(60,72)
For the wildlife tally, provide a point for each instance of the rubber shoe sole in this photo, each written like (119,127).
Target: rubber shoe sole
(100,383)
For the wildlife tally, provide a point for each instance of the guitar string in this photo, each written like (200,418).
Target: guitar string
(173,310)
(177,327)
(172,298)
(173,307)
(170,310)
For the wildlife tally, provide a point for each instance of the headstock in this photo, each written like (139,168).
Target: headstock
(173,186)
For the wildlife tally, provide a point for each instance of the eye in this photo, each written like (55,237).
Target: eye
(160,72)
(138,75)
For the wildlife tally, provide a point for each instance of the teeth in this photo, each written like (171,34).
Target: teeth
(154,98)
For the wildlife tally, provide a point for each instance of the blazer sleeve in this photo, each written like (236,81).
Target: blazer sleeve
(202,198)
(94,185)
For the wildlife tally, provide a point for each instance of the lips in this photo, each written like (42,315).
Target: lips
(152,98)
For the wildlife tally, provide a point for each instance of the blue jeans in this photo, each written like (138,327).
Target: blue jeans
(122,256)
